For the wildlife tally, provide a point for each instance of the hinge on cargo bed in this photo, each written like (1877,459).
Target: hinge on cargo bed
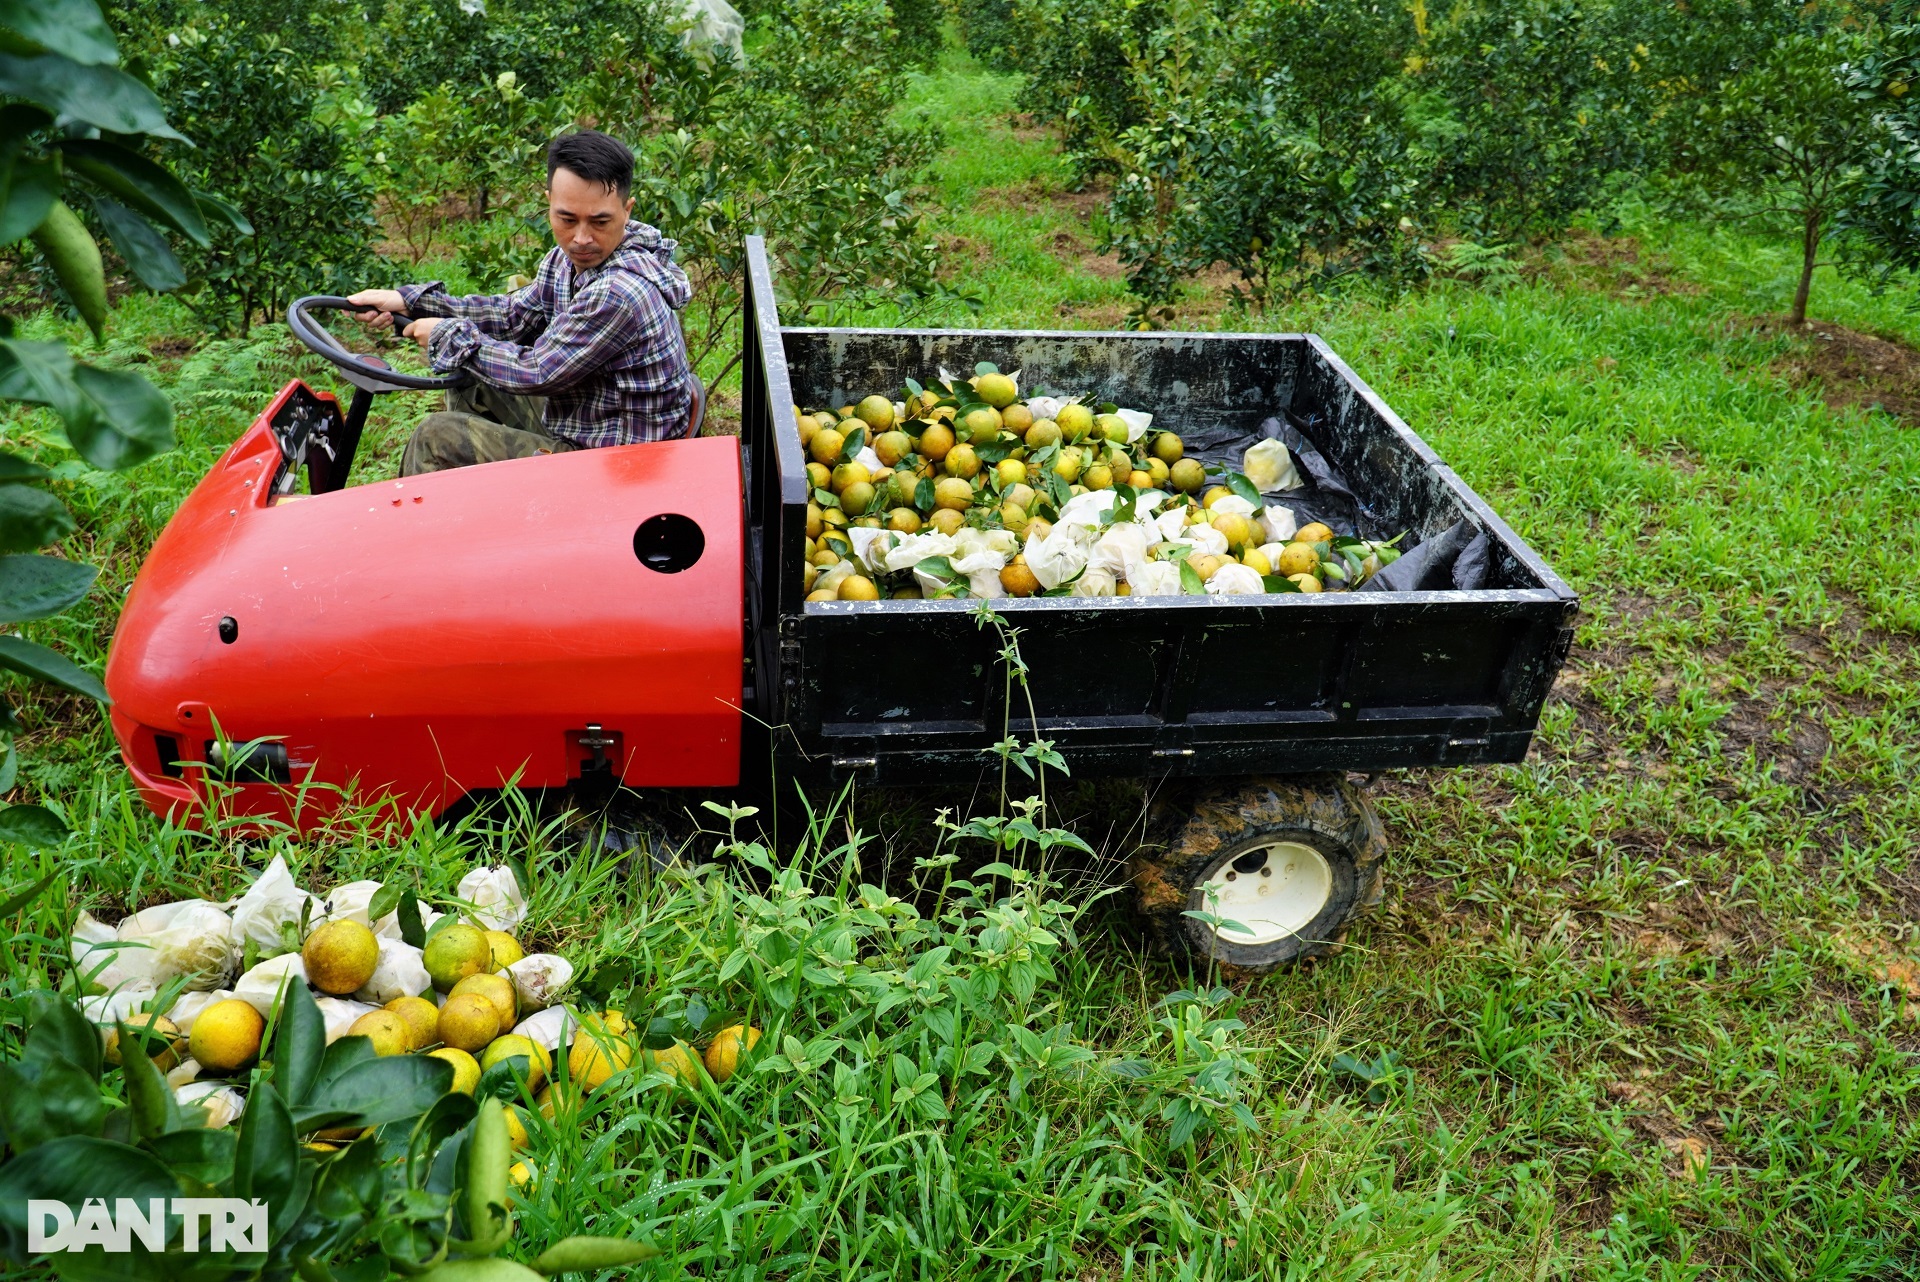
(1562,647)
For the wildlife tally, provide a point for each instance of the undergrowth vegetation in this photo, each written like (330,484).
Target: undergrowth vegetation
(1646,1006)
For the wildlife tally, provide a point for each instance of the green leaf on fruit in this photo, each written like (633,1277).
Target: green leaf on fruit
(114,418)
(384,900)
(215,209)
(412,929)
(28,191)
(70,27)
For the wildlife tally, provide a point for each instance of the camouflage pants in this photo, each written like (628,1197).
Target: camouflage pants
(481,424)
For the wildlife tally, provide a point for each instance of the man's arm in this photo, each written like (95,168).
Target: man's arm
(606,320)
(516,316)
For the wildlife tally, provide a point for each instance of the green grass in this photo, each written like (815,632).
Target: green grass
(1671,926)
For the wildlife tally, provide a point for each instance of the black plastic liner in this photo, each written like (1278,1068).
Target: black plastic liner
(1457,558)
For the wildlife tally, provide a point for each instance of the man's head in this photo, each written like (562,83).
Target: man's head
(589,176)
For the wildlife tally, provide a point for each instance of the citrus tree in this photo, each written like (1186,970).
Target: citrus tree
(75,131)
(1883,226)
(1790,132)
(1526,109)
(251,101)
(1262,140)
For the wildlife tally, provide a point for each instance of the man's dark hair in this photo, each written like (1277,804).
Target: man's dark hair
(593,156)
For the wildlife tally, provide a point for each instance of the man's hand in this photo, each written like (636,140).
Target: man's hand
(380,305)
(422,330)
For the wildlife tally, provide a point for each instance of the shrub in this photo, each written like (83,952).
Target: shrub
(549,46)
(987,28)
(436,115)
(252,105)
(1304,143)
(1528,109)
(1882,228)
(920,25)
(1294,173)
(1076,82)
(1788,138)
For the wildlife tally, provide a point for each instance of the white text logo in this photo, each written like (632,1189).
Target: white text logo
(230,1224)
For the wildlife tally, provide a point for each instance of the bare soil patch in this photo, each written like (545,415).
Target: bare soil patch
(1024,126)
(1851,368)
(1793,746)
(1616,264)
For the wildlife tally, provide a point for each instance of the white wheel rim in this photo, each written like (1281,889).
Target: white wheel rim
(1273,899)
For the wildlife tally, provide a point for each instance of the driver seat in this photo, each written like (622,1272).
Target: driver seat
(699,411)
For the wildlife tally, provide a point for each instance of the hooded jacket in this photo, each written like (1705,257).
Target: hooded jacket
(603,344)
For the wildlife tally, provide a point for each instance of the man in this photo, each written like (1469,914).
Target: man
(589,354)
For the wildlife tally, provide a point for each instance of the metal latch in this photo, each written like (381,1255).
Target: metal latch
(1469,732)
(595,739)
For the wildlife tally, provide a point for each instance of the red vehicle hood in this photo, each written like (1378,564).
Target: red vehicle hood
(431,636)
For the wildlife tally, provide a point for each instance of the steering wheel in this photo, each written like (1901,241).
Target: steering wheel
(327,450)
(368,373)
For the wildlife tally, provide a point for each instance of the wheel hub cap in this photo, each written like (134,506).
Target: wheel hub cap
(1268,893)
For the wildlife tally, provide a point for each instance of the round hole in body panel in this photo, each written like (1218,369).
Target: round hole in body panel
(668,543)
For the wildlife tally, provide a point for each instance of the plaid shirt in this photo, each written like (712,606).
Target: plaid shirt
(602,345)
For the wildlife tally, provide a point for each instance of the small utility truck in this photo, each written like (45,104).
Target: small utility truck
(635,618)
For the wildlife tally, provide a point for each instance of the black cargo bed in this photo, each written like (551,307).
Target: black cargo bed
(913,691)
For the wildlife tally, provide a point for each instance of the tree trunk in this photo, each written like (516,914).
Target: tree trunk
(1809,250)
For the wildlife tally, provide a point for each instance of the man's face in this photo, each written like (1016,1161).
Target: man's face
(588,219)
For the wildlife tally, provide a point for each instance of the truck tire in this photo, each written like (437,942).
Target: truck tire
(1286,863)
